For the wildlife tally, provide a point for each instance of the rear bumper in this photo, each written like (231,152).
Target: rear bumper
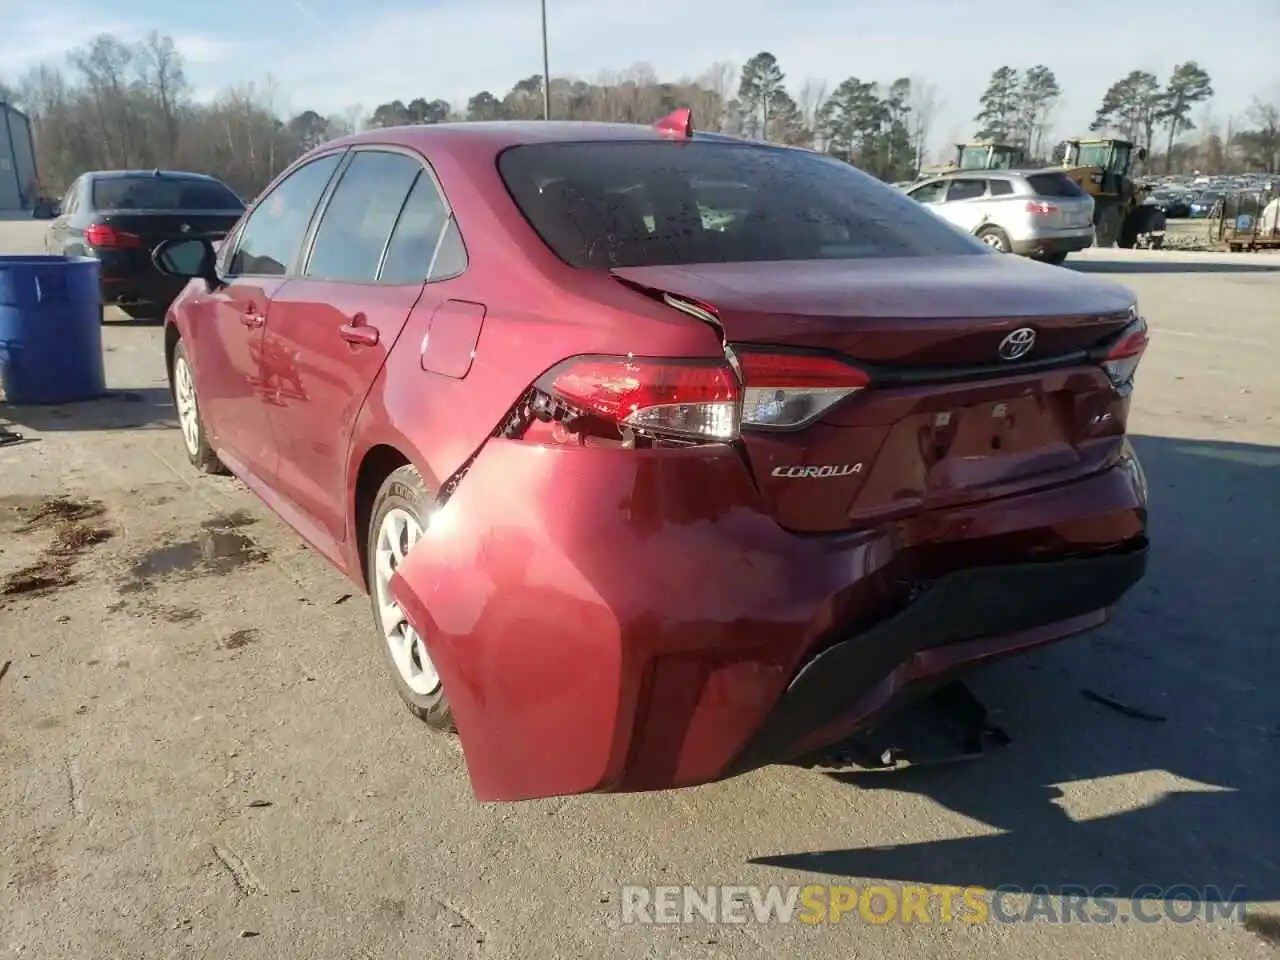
(129,278)
(1041,246)
(964,618)
(609,620)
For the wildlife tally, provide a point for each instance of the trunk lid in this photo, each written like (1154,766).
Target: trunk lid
(156,225)
(946,420)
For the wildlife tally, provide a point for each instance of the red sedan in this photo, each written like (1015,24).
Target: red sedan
(662,455)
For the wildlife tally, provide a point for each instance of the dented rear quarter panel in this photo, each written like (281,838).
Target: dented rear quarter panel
(538,312)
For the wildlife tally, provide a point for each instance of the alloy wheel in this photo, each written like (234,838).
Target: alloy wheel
(397,534)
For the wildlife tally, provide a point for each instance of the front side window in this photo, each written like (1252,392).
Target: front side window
(930,192)
(653,203)
(271,237)
(358,220)
(1094,155)
(1120,159)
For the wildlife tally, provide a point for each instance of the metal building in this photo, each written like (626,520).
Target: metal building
(18,184)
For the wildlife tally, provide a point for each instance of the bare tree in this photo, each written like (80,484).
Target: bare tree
(813,94)
(925,107)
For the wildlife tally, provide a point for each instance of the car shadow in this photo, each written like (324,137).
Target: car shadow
(143,408)
(1172,266)
(1184,792)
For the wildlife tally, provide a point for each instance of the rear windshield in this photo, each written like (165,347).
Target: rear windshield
(146,192)
(632,204)
(1055,185)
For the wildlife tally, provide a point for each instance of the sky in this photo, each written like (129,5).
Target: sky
(330,55)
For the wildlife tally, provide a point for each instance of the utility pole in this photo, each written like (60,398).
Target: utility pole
(546,67)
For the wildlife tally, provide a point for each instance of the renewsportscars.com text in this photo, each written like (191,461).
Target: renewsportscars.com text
(928,904)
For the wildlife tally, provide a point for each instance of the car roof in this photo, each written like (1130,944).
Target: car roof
(497,135)
(987,174)
(172,174)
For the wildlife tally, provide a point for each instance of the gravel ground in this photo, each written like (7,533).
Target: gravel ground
(203,757)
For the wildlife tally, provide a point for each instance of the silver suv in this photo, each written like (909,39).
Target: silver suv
(1037,213)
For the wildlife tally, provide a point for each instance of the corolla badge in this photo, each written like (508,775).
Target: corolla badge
(1017,344)
(826,470)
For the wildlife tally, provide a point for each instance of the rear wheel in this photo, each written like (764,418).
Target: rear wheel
(187,405)
(401,513)
(995,237)
(1057,259)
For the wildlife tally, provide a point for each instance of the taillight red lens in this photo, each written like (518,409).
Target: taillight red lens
(691,399)
(785,391)
(100,235)
(1122,359)
(1041,207)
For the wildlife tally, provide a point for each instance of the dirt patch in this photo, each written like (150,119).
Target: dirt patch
(71,534)
(75,537)
(56,511)
(217,550)
(240,639)
(49,573)
(179,614)
(234,520)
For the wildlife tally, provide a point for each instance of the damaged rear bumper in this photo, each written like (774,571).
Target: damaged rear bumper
(614,620)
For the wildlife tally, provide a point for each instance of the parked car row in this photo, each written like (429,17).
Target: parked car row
(666,455)
(1183,197)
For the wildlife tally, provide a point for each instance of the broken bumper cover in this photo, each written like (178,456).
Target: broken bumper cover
(609,620)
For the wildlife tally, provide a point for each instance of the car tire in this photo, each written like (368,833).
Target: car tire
(1107,230)
(1056,259)
(996,238)
(401,513)
(182,387)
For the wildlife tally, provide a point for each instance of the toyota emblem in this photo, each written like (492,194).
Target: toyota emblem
(1017,344)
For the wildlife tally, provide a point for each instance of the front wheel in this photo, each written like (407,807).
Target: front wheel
(1057,259)
(187,405)
(401,513)
(996,238)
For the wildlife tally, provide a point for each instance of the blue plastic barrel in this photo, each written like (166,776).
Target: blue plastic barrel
(50,330)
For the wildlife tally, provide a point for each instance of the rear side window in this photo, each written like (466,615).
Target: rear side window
(416,235)
(357,222)
(653,203)
(150,192)
(1000,188)
(1055,185)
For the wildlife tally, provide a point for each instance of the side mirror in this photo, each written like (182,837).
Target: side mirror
(189,259)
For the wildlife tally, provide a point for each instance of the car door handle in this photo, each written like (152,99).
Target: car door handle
(252,319)
(358,332)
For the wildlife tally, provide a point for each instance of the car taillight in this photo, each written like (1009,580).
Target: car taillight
(1123,356)
(102,236)
(1041,207)
(686,399)
(786,391)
